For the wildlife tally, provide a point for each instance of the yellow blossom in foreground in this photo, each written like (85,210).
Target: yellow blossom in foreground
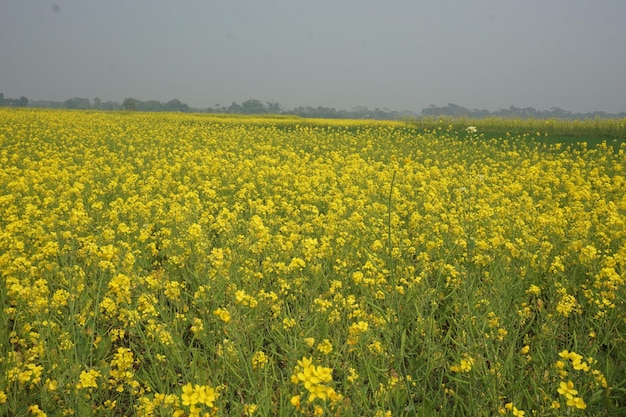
(295,401)
(223,314)
(189,396)
(533,290)
(36,411)
(353,375)
(576,402)
(198,394)
(355,330)
(464,366)
(313,379)
(516,412)
(88,379)
(288,323)
(259,360)
(249,409)
(325,347)
(197,325)
(567,389)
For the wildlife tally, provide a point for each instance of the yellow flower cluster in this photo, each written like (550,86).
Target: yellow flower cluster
(577,363)
(314,378)
(464,366)
(223,314)
(142,251)
(567,390)
(259,360)
(514,410)
(196,396)
(122,375)
(88,379)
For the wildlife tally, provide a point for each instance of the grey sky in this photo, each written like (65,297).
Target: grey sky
(338,53)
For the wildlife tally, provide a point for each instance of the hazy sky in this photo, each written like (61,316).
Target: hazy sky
(338,53)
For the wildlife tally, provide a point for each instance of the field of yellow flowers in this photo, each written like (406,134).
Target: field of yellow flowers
(196,265)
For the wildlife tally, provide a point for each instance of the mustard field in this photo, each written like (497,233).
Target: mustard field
(197,265)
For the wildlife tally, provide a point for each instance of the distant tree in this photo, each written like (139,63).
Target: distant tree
(129,104)
(559,113)
(97,103)
(529,112)
(514,110)
(175,105)
(479,113)
(14,102)
(235,108)
(253,107)
(1,99)
(110,105)
(450,109)
(47,104)
(274,107)
(150,105)
(456,110)
(78,103)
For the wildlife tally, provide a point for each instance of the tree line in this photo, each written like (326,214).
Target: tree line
(253,106)
(455,110)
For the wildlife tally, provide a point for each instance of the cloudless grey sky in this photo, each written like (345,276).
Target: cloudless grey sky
(397,54)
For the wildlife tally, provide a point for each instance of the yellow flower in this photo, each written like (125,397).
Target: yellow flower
(52,384)
(88,379)
(249,409)
(576,402)
(195,231)
(189,395)
(313,379)
(516,412)
(465,365)
(288,323)
(295,401)
(197,325)
(223,314)
(259,360)
(533,290)
(579,365)
(36,411)
(206,395)
(567,389)
(567,304)
(198,394)
(502,333)
(355,330)
(325,347)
